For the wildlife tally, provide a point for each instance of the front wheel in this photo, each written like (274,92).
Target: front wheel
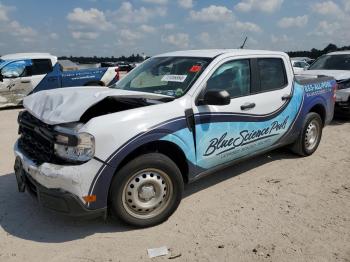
(147,190)
(310,137)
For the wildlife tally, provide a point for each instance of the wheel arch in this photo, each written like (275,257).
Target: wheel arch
(170,149)
(320,110)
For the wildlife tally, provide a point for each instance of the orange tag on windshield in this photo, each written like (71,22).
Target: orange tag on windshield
(195,69)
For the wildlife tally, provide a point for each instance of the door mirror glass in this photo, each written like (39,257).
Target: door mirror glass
(216,98)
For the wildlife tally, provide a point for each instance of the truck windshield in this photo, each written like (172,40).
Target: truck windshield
(171,76)
(332,62)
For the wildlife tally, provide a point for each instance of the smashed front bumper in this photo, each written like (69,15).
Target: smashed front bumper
(58,188)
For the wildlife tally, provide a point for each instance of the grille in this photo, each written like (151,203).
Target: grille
(36,139)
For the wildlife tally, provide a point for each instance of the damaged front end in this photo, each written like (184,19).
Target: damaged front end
(54,144)
(54,163)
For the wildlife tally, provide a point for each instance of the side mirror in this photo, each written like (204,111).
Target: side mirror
(215,98)
(1,77)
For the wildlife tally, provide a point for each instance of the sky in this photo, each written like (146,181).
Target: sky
(114,28)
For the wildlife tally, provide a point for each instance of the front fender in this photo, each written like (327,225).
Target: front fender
(182,138)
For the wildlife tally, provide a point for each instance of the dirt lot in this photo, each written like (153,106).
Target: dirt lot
(276,207)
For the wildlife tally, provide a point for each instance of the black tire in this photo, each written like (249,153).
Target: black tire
(301,146)
(142,173)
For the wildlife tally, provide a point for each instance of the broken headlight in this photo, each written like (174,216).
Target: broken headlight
(81,151)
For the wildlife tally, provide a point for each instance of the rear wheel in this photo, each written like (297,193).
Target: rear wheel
(147,190)
(310,137)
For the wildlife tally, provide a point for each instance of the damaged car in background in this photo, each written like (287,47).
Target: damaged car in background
(27,73)
(337,65)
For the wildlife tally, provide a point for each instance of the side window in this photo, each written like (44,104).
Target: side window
(41,66)
(272,74)
(14,69)
(233,76)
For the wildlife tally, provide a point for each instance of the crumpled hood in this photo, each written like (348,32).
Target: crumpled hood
(66,105)
(337,74)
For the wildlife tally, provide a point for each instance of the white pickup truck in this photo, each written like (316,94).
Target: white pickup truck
(174,119)
(337,65)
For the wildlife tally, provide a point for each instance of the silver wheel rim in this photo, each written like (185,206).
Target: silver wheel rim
(147,193)
(312,135)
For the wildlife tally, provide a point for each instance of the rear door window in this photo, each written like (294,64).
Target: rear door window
(272,74)
(41,66)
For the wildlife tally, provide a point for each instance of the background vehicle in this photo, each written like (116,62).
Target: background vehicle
(27,73)
(122,66)
(172,120)
(299,65)
(337,65)
(305,59)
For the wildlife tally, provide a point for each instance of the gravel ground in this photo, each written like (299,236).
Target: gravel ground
(276,207)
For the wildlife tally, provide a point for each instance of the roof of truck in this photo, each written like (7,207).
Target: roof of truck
(17,56)
(211,53)
(340,53)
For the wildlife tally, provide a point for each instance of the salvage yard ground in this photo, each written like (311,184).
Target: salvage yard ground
(277,207)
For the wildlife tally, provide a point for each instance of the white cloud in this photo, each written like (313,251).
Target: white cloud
(15,28)
(279,39)
(185,3)
(147,29)
(84,35)
(327,8)
(91,18)
(129,35)
(3,13)
(158,2)
(267,6)
(325,28)
(212,13)
(347,5)
(180,40)
(54,36)
(205,38)
(299,21)
(247,26)
(169,26)
(128,14)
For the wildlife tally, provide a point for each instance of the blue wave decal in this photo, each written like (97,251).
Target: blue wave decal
(220,141)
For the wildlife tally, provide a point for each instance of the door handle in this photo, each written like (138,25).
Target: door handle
(25,81)
(247,106)
(286,97)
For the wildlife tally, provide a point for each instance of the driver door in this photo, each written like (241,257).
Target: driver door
(16,83)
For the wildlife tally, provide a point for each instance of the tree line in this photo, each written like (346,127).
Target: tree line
(94,59)
(315,53)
